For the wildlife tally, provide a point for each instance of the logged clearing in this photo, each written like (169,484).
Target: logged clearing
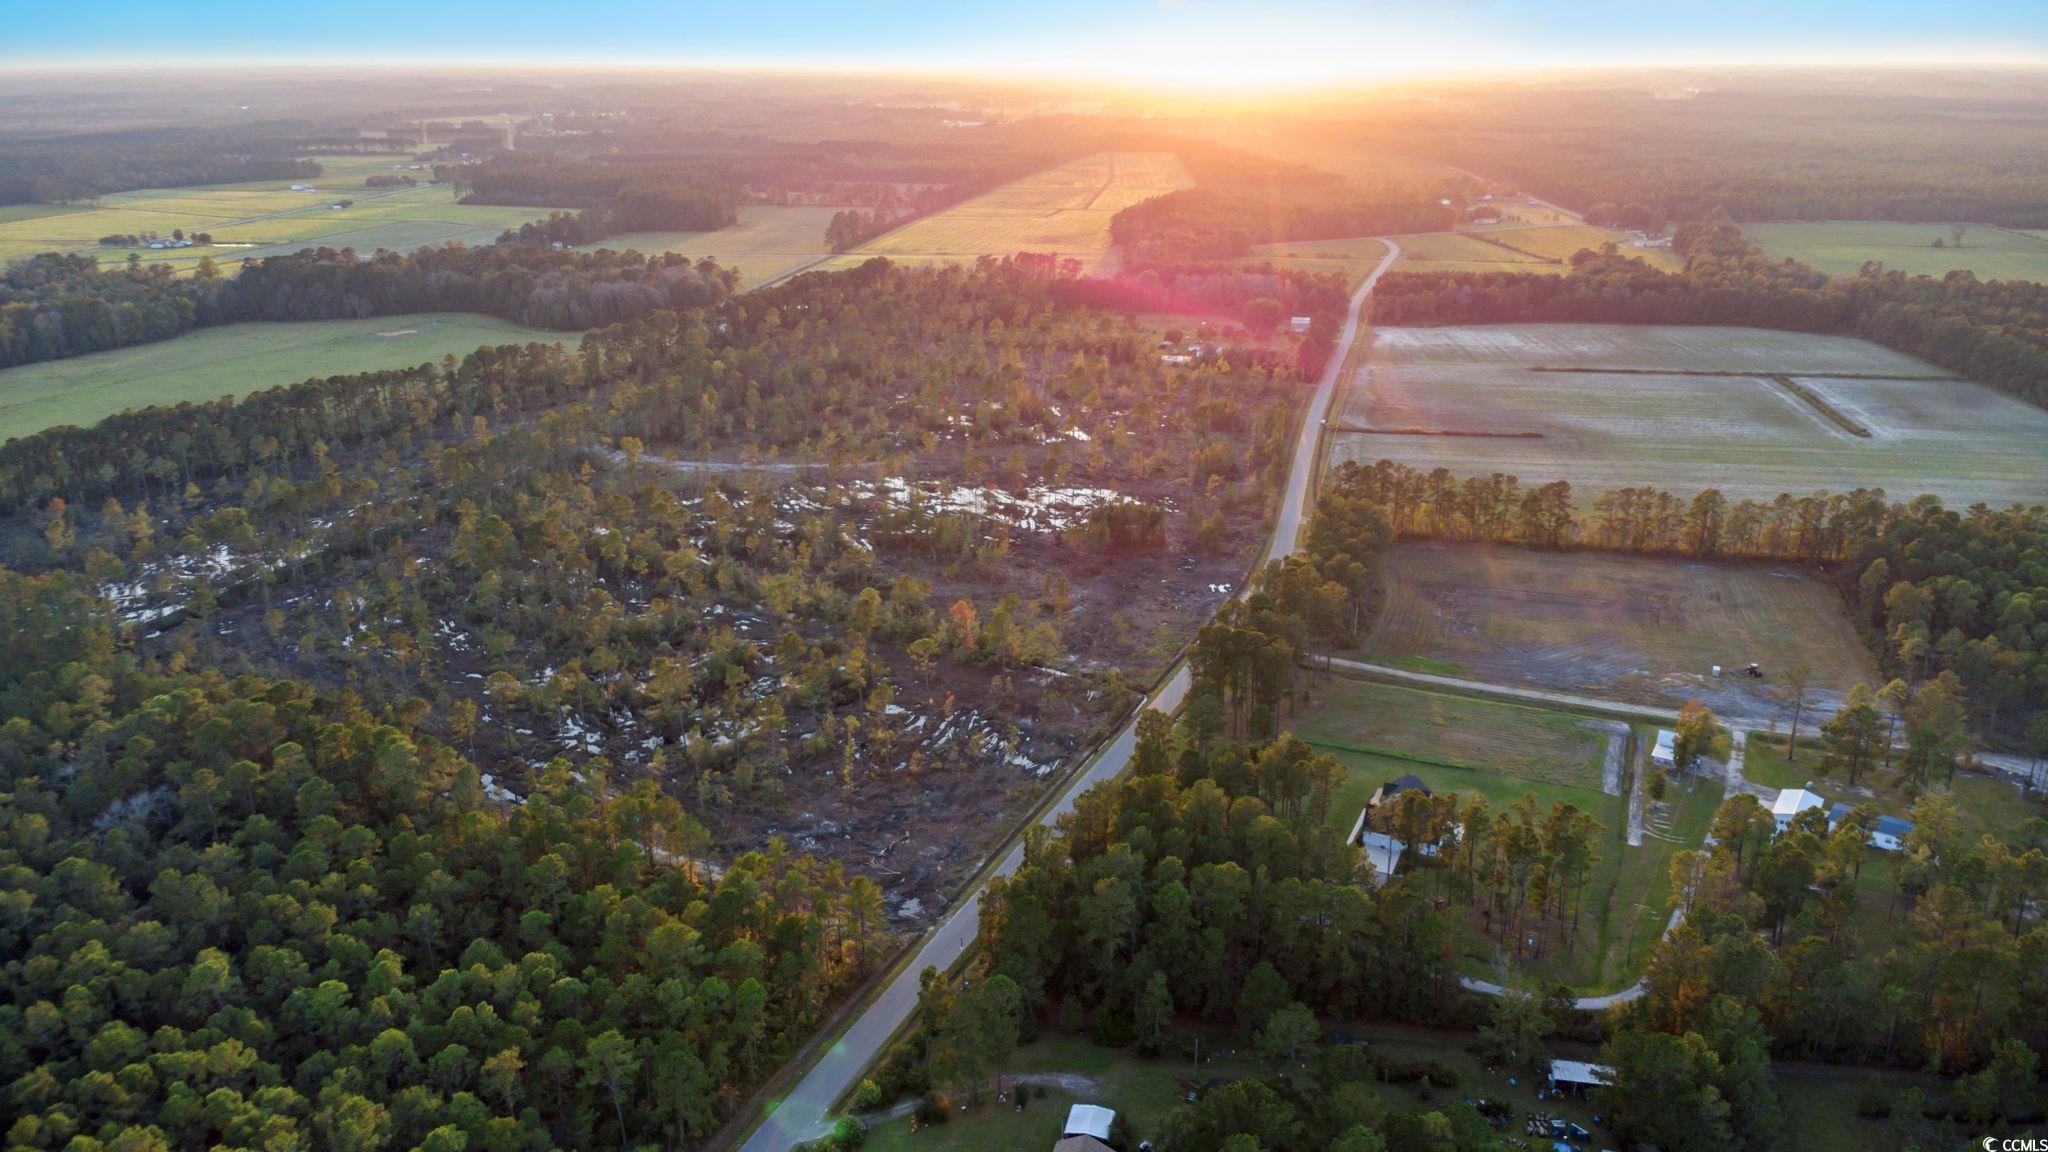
(264,218)
(1531,743)
(1064,210)
(234,360)
(1842,247)
(1635,419)
(770,240)
(1621,627)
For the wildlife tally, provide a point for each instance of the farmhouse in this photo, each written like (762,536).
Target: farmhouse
(1888,836)
(1392,788)
(1665,754)
(1790,803)
(1087,1129)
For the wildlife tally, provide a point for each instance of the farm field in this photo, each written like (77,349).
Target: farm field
(1515,248)
(1635,419)
(1842,247)
(1621,627)
(1350,258)
(274,219)
(233,360)
(1532,743)
(770,240)
(1064,210)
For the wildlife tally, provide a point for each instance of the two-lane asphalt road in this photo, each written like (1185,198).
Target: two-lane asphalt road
(804,1113)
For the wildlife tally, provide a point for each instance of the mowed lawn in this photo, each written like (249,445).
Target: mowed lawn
(1618,627)
(265,218)
(770,240)
(234,360)
(1065,210)
(1626,415)
(1532,743)
(1842,247)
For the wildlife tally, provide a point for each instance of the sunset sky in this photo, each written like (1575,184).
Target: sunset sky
(1212,41)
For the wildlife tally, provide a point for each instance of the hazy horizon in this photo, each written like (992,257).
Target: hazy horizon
(1218,43)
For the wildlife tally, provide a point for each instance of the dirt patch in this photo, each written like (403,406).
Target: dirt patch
(1631,628)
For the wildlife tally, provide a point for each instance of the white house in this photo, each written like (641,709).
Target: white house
(1665,754)
(1790,803)
(1384,851)
(302,187)
(1299,323)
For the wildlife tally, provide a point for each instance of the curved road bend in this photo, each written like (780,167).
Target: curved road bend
(803,1114)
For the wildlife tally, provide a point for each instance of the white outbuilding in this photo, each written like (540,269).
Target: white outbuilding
(1791,802)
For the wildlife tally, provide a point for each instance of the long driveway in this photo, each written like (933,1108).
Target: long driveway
(804,1114)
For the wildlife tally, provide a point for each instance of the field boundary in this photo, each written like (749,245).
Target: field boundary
(1820,404)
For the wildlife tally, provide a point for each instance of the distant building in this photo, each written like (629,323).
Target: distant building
(1087,1129)
(1383,850)
(1298,323)
(1665,754)
(1392,788)
(1790,803)
(302,187)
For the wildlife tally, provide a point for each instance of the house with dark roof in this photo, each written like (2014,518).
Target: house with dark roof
(1888,836)
(1392,788)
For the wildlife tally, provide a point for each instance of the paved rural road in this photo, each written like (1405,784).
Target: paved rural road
(804,1113)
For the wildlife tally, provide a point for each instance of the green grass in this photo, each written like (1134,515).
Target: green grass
(1534,744)
(235,360)
(1350,258)
(1985,805)
(1842,247)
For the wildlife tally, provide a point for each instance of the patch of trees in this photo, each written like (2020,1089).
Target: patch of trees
(1774,923)
(51,171)
(54,306)
(257,913)
(639,195)
(1995,332)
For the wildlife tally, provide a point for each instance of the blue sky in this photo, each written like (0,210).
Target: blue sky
(1279,40)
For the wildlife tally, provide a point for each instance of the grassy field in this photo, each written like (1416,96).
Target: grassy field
(1351,258)
(1064,210)
(263,218)
(1531,743)
(769,241)
(1746,434)
(1843,246)
(1621,627)
(233,360)
(1546,248)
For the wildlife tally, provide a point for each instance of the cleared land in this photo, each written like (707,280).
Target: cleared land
(1064,210)
(1546,248)
(236,359)
(1636,418)
(770,240)
(1350,258)
(1621,627)
(1843,246)
(264,218)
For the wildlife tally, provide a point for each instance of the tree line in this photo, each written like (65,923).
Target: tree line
(80,167)
(55,306)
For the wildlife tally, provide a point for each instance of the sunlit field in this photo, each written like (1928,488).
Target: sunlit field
(264,218)
(1645,413)
(770,241)
(1065,210)
(1843,247)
